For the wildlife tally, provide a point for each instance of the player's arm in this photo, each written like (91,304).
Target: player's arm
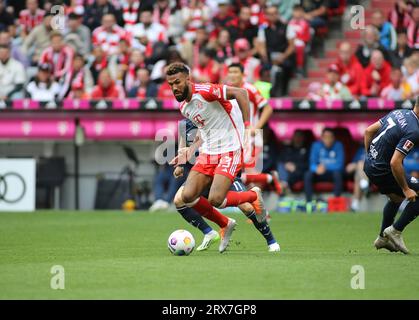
(266,113)
(185,153)
(370,133)
(396,164)
(242,98)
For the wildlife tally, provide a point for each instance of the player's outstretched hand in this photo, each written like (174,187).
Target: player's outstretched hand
(183,156)
(178,172)
(410,195)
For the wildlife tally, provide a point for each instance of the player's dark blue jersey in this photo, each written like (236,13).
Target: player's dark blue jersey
(188,131)
(399,131)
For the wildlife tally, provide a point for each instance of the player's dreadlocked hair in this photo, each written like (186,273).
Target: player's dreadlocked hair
(177,67)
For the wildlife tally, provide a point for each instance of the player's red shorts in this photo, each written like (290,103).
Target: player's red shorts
(227,164)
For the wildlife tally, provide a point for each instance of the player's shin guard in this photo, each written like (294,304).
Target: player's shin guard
(408,215)
(234,198)
(389,212)
(205,209)
(193,218)
(263,228)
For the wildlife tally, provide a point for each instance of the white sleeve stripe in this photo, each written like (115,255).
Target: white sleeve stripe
(404,152)
(225,92)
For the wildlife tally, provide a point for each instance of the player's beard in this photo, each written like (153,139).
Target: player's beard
(184,95)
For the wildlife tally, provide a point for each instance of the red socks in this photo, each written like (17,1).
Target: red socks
(262,178)
(235,198)
(205,209)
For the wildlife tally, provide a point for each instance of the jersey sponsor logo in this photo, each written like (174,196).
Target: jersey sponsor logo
(408,145)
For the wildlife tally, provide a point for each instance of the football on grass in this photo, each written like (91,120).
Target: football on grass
(181,243)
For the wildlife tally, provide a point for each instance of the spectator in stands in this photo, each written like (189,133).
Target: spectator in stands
(38,39)
(257,9)
(81,75)
(77,92)
(370,42)
(333,89)
(147,33)
(315,91)
(207,70)
(301,28)
(276,46)
(162,13)
(244,57)
(398,89)
(222,46)
(293,160)
(31,17)
(411,72)
(78,34)
(413,29)
(190,49)
(224,16)
(12,75)
(136,61)
(316,12)
(195,15)
(96,12)
(241,27)
(15,49)
(402,50)
(146,88)
(60,57)
(109,34)
(399,16)
(158,73)
(376,75)
(264,84)
(411,163)
(43,88)
(350,69)
(388,36)
(326,164)
(6,18)
(355,169)
(285,8)
(99,62)
(107,88)
(131,13)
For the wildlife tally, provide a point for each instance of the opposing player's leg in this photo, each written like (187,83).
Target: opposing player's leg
(410,212)
(195,184)
(389,213)
(262,227)
(249,212)
(196,220)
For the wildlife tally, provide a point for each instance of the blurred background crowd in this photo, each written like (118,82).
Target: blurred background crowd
(119,48)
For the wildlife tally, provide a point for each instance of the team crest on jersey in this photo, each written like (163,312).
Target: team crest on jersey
(199,105)
(408,145)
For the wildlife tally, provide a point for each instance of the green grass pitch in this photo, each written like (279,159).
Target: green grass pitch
(117,255)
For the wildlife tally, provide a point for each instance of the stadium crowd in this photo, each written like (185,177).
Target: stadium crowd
(115,49)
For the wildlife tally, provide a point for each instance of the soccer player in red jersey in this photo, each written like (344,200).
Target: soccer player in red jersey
(221,114)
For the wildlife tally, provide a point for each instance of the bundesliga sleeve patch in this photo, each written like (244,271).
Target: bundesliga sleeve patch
(408,145)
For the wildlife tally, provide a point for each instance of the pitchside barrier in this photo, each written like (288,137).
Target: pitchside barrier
(141,119)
